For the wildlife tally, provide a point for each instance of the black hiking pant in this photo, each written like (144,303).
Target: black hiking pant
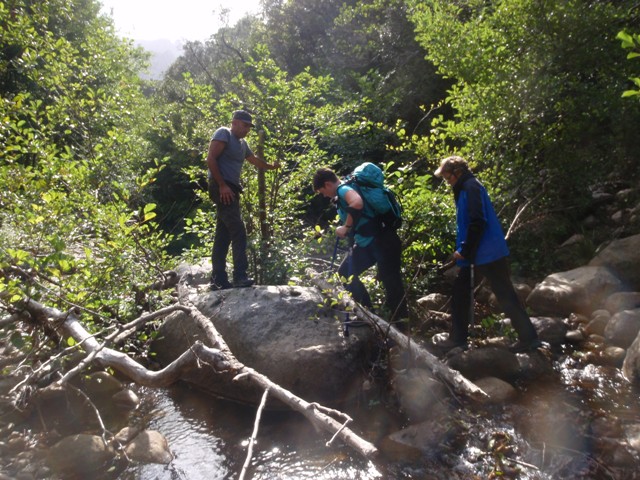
(230,232)
(385,251)
(499,277)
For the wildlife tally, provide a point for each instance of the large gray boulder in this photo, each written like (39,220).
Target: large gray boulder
(417,392)
(498,390)
(282,332)
(551,330)
(623,328)
(622,301)
(80,456)
(443,427)
(149,446)
(581,290)
(622,257)
(486,362)
(631,364)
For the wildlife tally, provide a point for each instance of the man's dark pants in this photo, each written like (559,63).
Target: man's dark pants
(230,231)
(499,277)
(386,252)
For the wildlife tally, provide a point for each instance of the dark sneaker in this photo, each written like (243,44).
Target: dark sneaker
(214,286)
(243,283)
(522,347)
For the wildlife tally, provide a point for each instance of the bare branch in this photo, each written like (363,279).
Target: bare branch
(344,425)
(319,419)
(202,65)
(514,222)
(131,327)
(71,326)
(11,319)
(254,435)
(220,358)
(453,378)
(97,412)
(232,48)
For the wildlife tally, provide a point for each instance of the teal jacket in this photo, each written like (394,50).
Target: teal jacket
(362,235)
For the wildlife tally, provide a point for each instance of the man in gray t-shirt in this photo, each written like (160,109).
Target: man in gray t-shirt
(227,152)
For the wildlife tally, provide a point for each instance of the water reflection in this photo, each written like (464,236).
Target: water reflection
(183,419)
(552,431)
(209,438)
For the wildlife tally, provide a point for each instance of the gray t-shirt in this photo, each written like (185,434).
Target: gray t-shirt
(232,158)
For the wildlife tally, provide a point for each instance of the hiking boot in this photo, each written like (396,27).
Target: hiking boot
(217,285)
(243,283)
(447,344)
(523,347)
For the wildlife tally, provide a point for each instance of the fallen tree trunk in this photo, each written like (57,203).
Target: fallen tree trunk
(312,411)
(220,358)
(451,377)
(315,414)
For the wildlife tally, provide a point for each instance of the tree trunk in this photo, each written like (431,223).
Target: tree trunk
(453,378)
(220,358)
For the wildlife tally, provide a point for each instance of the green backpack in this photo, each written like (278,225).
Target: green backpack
(380,203)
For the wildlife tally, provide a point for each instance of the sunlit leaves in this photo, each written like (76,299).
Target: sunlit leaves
(149,213)
(295,113)
(75,227)
(537,89)
(631,42)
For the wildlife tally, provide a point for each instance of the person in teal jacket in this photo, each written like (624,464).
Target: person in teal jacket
(373,245)
(481,246)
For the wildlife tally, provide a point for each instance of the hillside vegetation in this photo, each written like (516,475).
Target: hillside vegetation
(103,173)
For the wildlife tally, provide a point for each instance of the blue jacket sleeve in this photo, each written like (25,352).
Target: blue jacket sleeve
(477,220)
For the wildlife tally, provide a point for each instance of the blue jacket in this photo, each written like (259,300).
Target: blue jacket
(480,238)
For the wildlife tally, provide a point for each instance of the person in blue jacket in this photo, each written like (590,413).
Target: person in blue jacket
(481,246)
(372,245)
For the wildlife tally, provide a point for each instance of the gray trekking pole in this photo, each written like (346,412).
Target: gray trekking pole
(471,291)
(347,320)
(335,252)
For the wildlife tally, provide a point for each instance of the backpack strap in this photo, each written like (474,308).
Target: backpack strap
(372,226)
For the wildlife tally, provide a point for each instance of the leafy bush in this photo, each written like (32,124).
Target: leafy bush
(76,228)
(536,99)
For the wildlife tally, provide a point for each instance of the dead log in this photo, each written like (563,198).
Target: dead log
(453,378)
(218,357)
(315,414)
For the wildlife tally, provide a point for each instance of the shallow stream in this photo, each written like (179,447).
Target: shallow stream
(582,422)
(557,429)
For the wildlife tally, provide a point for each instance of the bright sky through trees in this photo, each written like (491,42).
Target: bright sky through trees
(174,20)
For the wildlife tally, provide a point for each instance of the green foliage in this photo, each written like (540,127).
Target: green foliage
(299,32)
(374,52)
(428,232)
(631,42)
(536,99)
(75,226)
(493,326)
(528,91)
(293,114)
(310,119)
(368,47)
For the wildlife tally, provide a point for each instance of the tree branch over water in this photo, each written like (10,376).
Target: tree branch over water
(219,358)
(451,377)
